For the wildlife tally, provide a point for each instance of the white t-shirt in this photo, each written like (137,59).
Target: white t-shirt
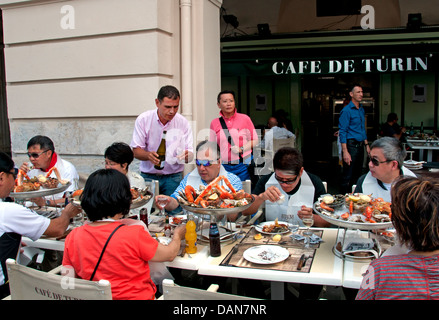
(18,219)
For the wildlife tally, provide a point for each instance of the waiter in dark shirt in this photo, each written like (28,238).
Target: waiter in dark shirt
(353,138)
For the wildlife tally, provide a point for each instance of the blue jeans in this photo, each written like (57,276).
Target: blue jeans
(239,169)
(167,185)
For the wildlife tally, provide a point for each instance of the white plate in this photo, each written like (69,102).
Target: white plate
(224,234)
(164,240)
(260,226)
(266,254)
(181,216)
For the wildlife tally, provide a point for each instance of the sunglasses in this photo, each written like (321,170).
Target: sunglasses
(36,155)
(289,182)
(205,163)
(376,162)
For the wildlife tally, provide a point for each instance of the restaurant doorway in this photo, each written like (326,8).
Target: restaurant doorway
(323,97)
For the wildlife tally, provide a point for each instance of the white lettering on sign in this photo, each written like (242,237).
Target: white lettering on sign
(350,65)
(68,20)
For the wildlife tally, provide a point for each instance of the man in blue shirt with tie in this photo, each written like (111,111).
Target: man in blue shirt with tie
(353,138)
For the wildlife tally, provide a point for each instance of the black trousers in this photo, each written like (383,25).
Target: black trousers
(352,172)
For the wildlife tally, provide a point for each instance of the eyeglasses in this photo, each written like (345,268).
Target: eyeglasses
(289,182)
(36,155)
(205,163)
(376,162)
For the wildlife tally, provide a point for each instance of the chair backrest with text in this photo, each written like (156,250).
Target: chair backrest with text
(171,291)
(30,284)
(280,143)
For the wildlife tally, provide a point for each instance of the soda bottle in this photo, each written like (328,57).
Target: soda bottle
(161,152)
(191,236)
(143,215)
(214,240)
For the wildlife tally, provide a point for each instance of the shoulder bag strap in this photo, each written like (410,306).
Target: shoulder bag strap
(227,133)
(103,250)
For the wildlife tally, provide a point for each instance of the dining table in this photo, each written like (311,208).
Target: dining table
(322,266)
(421,145)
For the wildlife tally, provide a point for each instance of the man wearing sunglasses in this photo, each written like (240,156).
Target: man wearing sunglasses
(42,157)
(290,191)
(208,168)
(386,161)
(17,220)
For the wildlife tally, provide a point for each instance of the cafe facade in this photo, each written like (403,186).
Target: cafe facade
(81,71)
(308,76)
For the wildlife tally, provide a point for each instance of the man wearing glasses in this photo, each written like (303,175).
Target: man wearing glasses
(17,220)
(290,191)
(42,157)
(208,168)
(385,166)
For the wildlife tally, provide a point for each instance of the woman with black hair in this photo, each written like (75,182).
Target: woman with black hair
(119,156)
(106,200)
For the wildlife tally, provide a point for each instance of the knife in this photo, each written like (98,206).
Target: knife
(301,262)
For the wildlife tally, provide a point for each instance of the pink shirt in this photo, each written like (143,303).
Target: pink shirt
(147,135)
(241,130)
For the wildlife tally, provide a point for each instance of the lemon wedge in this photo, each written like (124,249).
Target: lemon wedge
(257,236)
(354,198)
(277,237)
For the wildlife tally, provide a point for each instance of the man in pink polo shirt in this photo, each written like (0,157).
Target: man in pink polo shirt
(148,133)
(236,136)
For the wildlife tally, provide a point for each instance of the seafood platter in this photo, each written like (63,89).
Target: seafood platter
(214,199)
(39,186)
(140,197)
(355,211)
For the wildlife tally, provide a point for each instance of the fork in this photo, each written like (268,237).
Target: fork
(234,250)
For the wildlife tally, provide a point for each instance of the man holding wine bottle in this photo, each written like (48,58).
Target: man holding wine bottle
(162,141)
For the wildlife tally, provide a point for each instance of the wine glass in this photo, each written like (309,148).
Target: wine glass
(294,224)
(308,222)
(161,202)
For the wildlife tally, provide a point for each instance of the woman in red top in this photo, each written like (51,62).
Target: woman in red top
(106,200)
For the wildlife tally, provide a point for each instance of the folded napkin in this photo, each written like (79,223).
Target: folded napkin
(313,239)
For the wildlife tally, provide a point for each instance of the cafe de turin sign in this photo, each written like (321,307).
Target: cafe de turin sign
(357,65)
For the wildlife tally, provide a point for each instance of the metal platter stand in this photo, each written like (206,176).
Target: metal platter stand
(21,197)
(344,226)
(212,215)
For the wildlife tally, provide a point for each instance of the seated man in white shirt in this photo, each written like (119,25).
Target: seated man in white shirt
(275,132)
(387,156)
(17,221)
(42,155)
